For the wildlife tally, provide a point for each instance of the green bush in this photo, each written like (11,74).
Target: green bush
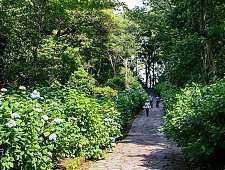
(33,131)
(117,83)
(81,81)
(196,123)
(132,81)
(37,132)
(98,122)
(40,127)
(105,93)
(128,103)
(168,93)
(123,82)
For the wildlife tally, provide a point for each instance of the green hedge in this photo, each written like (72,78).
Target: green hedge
(39,127)
(195,120)
(37,132)
(128,103)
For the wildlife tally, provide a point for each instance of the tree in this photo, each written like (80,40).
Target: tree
(27,25)
(150,51)
(190,39)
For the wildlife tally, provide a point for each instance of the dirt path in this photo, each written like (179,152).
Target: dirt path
(144,148)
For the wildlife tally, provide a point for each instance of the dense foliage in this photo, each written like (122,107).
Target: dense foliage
(81,58)
(41,126)
(195,120)
(42,41)
(188,39)
(67,89)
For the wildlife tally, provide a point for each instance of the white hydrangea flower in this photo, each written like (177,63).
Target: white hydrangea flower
(112,139)
(58,120)
(11,123)
(44,117)
(73,118)
(0,102)
(3,90)
(43,121)
(1,95)
(107,119)
(15,115)
(113,144)
(53,137)
(22,88)
(35,94)
(38,109)
(54,104)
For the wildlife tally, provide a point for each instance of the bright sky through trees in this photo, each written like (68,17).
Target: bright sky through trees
(132,3)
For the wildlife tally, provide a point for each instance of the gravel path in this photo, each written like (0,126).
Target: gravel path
(145,148)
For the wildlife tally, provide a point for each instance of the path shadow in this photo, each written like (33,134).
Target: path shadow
(162,152)
(159,160)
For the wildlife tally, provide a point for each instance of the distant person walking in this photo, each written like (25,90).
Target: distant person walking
(150,98)
(147,107)
(157,100)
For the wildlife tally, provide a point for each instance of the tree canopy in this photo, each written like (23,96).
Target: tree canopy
(190,37)
(71,48)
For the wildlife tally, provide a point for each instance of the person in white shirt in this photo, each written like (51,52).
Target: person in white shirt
(147,107)
(150,98)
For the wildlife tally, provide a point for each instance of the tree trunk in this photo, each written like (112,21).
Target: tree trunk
(113,65)
(146,74)
(149,70)
(202,29)
(126,71)
(208,56)
(150,78)
(153,73)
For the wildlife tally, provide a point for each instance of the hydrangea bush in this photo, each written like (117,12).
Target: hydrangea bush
(32,130)
(128,103)
(195,120)
(40,126)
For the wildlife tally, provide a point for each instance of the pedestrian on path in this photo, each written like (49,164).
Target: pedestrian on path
(157,100)
(150,98)
(147,107)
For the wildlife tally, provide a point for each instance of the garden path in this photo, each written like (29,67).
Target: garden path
(145,148)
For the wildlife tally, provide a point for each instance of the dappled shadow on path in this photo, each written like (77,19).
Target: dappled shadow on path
(145,147)
(161,160)
(153,149)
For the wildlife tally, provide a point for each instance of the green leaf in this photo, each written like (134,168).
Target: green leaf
(46,134)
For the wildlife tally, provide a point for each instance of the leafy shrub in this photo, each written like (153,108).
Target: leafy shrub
(132,81)
(196,123)
(39,127)
(105,93)
(129,102)
(98,123)
(168,93)
(117,82)
(122,82)
(82,81)
(37,132)
(130,98)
